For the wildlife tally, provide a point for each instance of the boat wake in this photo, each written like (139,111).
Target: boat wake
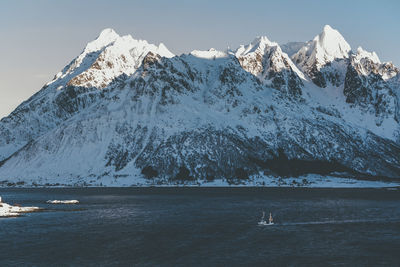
(337,222)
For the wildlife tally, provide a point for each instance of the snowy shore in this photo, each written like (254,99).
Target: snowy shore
(7,210)
(310,180)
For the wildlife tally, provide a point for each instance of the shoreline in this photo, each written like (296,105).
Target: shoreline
(389,188)
(261,182)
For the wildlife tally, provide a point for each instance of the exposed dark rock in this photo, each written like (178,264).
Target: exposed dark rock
(149,172)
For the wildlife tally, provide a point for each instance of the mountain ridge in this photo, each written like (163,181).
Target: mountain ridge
(127,109)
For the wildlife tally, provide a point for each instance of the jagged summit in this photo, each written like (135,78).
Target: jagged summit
(327,28)
(260,43)
(331,45)
(107,34)
(265,52)
(106,58)
(361,53)
(267,61)
(320,58)
(326,47)
(106,37)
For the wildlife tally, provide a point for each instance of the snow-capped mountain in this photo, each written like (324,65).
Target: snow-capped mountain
(322,59)
(106,58)
(265,60)
(109,58)
(128,112)
(368,85)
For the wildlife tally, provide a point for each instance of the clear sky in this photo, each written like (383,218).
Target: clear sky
(38,38)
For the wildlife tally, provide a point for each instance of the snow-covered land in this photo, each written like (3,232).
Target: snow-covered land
(125,112)
(7,210)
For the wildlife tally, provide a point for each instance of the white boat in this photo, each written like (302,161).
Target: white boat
(264,222)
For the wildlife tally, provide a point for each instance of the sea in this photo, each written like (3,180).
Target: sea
(190,226)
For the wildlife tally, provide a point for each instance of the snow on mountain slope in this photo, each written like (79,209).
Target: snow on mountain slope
(368,63)
(363,55)
(108,59)
(174,121)
(210,54)
(199,117)
(367,98)
(324,48)
(273,67)
(322,58)
(368,85)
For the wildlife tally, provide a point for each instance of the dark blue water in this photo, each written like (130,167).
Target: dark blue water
(203,227)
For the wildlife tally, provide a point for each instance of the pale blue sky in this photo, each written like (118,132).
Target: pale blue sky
(38,38)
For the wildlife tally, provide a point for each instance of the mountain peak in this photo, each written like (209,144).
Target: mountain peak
(107,33)
(326,47)
(361,53)
(328,28)
(260,43)
(106,37)
(262,40)
(106,58)
(330,44)
(266,60)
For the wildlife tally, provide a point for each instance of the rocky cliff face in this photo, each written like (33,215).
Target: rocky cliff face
(103,65)
(265,60)
(129,112)
(323,58)
(368,84)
